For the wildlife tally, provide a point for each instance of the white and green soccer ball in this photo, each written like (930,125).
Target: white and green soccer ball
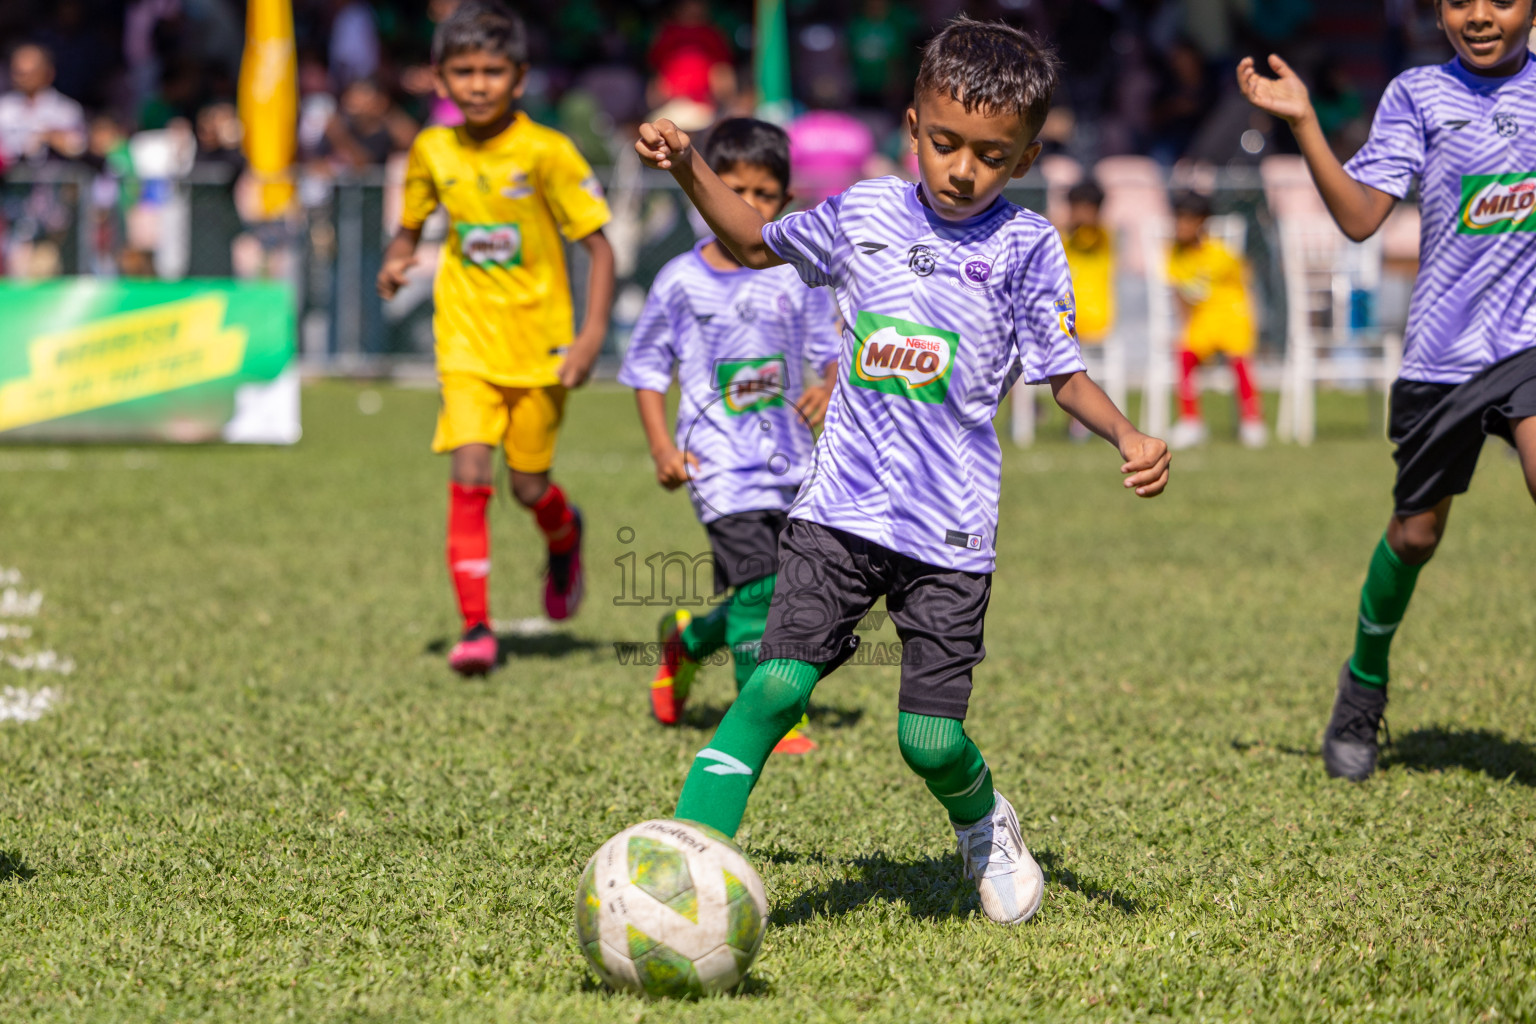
(670,908)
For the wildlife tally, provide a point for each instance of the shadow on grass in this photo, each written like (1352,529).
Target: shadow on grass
(12,866)
(931,888)
(751,987)
(1480,750)
(707,716)
(525,645)
(1055,874)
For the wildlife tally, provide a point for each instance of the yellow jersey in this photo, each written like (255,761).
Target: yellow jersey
(502,295)
(1091,259)
(1210,278)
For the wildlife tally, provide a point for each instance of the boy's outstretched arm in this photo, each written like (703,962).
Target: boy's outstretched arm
(577,365)
(672,466)
(1146,458)
(1358,208)
(736,224)
(399,257)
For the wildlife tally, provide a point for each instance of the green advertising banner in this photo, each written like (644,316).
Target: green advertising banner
(191,361)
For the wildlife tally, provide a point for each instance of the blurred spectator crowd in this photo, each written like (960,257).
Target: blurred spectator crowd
(133,94)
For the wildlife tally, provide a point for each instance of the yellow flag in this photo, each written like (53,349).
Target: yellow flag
(269,101)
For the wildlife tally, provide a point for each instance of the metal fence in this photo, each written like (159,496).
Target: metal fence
(66,219)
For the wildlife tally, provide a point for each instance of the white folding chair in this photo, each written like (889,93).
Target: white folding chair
(1322,270)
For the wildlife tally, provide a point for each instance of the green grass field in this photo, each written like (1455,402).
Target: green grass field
(263,796)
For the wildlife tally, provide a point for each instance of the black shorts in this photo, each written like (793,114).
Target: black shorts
(745,546)
(828,580)
(1439,428)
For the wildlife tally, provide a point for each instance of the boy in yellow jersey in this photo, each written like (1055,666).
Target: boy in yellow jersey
(507,351)
(1211,283)
(1091,259)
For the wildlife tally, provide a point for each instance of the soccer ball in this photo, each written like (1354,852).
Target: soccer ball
(670,908)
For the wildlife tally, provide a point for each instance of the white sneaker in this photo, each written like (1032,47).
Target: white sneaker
(1253,434)
(1009,882)
(1187,434)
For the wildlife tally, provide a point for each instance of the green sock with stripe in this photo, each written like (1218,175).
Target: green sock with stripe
(1384,599)
(746,618)
(939,751)
(724,772)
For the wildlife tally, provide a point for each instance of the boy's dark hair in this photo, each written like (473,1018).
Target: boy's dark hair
(992,67)
(485,25)
(1193,203)
(1086,191)
(746,140)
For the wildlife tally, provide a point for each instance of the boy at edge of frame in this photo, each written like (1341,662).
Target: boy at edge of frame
(1467,130)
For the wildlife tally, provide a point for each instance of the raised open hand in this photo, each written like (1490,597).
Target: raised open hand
(1285,95)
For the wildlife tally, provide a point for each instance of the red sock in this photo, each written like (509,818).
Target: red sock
(1189,392)
(554,518)
(469,550)
(1247,395)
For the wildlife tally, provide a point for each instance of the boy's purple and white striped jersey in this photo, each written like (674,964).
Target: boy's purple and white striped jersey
(739,340)
(939,319)
(1471,141)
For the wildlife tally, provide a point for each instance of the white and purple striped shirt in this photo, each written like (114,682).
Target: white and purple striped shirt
(1471,141)
(739,340)
(940,319)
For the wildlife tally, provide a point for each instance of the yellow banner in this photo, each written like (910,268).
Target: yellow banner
(123,357)
(269,100)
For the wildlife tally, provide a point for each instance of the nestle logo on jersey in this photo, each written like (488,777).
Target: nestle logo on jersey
(1497,203)
(898,357)
(490,245)
(752,384)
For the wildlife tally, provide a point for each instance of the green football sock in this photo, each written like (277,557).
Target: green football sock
(705,634)
(950,764)
(1383,600)
(746,618)
(724,772)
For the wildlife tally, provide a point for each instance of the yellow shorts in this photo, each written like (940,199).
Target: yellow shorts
(524,421)
(1229,335)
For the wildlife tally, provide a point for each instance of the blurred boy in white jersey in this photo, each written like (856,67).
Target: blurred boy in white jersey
(739,341)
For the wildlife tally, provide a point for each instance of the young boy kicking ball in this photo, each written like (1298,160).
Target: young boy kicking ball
(1465,130)
(739,341)
(507,352)
(949,294)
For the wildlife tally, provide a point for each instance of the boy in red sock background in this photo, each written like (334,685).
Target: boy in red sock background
(1211,282)
(507,351)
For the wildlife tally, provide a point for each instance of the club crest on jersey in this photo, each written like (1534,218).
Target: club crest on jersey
(1066,316)
(517,186)
(1506,125)
(1497,203)
(899,357)
(490,245)
(751,385)
(975,272)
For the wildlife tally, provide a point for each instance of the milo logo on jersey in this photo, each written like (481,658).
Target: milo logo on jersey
(899,357)
(490,245)
(1495,203)
(751,385)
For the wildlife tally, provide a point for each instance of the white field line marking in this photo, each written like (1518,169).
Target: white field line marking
(10,632)
(22,706)
(40,661)
(9,576)
(18,604)
(535,626)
